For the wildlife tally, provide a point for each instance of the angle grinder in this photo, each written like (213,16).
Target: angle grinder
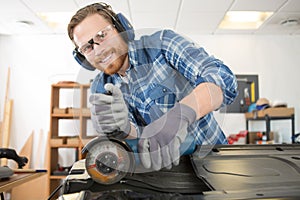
(108,159)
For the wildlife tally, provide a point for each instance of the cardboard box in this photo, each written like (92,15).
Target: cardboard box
(271,112)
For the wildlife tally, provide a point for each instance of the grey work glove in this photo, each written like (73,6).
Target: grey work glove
(109,112)
(160,141)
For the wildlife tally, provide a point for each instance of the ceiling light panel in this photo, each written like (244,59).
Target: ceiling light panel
(244,19)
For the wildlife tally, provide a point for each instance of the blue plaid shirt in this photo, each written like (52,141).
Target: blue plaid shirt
(164,68)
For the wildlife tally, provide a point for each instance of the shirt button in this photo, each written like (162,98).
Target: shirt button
(164,90)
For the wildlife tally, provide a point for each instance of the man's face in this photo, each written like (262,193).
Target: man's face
(102,46)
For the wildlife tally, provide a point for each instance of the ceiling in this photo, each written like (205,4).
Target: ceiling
(186,16)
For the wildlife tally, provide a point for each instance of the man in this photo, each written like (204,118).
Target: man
(159,88)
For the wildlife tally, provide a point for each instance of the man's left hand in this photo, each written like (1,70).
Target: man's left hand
(160,141)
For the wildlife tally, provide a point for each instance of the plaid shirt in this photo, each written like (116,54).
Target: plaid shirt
(164,68)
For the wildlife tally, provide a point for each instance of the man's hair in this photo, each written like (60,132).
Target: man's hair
(97,8)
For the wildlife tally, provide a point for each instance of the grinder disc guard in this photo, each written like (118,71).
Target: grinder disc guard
(108,161)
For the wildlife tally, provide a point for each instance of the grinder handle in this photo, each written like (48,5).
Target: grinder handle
(186,148)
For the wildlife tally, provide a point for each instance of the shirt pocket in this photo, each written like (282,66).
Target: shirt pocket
(161,99)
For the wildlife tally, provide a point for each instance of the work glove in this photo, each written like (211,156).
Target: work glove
(109,112)
(160,141)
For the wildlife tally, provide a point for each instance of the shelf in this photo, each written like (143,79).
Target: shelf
(69,85)
(65,116)
(64,146)
(60,115)
(269,115)
(270,112)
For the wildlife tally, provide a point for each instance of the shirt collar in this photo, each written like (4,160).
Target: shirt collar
(132,55)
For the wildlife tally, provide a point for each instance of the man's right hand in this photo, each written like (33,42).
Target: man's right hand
(109,112)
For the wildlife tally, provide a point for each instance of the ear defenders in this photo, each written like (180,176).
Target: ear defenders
(122,25)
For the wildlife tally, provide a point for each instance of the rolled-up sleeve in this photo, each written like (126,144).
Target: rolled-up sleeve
(197,66)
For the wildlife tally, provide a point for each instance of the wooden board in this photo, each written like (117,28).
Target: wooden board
(6,125)
(27,150)
(5,104)
(1,123)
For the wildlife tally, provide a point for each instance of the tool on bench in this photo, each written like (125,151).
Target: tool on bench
(12,154)
(5,171)
(109,159)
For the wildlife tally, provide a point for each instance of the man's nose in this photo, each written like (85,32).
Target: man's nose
(98,49)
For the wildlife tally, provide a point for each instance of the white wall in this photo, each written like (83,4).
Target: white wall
(40,60)
(275,58)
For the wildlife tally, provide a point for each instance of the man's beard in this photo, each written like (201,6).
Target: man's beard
(115,66)
(115,63)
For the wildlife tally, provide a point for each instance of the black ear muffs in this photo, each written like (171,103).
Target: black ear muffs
(122,24)
(82,60)
(125,26)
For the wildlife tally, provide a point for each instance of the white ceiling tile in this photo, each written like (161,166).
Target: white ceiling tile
(154,6)
(291,6)
(257,5)
(51,6)
(117,5)
(16,12)
(279,17)
(193,16)
(198,21)
(205,5)
(12,6)
(153,20)
(274,24)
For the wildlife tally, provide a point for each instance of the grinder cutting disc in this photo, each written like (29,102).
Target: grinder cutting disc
(108,161)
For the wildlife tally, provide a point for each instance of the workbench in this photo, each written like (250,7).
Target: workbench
(210,173)
(18,179)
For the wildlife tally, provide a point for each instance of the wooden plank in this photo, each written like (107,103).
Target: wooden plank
(48,164)
(7,123)
(40,149)
(5,102)
(7,84)
(1,124)
(27,150)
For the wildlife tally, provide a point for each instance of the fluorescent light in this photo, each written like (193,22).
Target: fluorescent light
(244,19)
(56,20)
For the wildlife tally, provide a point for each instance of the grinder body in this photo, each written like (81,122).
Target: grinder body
(109,159)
